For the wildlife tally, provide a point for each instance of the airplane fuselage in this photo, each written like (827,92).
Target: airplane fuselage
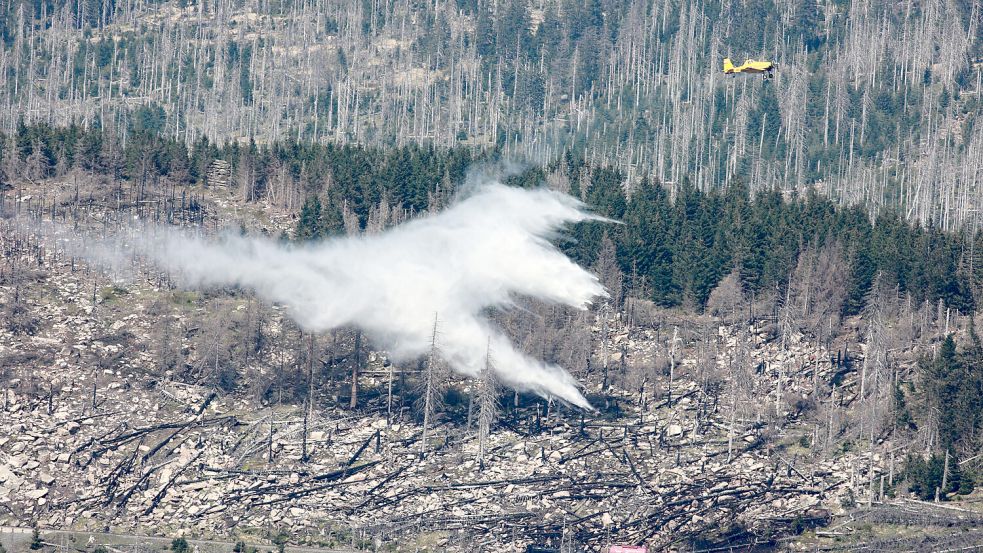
(749,66)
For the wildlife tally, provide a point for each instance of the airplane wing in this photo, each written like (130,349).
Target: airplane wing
(753,66)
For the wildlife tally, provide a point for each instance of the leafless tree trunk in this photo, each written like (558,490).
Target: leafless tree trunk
(355,366)
(430,389)
(487,406)
(309,403)
(673,343)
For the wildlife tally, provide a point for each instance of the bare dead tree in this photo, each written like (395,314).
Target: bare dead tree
(740,384)
(672,349)
(309,401)
(356,364)
(727,300)
(430,392)
(876,383)
(609,272)
(487,406)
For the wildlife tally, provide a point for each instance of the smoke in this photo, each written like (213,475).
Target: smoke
(489,247)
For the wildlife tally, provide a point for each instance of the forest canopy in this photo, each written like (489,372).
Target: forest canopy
(674,246)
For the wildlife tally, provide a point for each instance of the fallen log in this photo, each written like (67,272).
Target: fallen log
(645,485)
(161,444)
(361,449)
(163,491)
(388,479)
(307,491)
(371,493)
(206,403)
(123,468)
(590,443)
(82,419)
(143,478)
(119,427)
(472,485)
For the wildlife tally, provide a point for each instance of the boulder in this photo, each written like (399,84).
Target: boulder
(36,493)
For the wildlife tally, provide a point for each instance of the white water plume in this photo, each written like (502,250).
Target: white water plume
(489,247)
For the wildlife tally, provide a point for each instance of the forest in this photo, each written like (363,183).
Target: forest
(634,85)
(790,353)
(792,317)
(673,243)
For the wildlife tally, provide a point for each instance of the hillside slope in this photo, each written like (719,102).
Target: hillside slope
(874,102)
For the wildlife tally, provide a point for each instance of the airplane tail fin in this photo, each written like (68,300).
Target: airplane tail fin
(728,65)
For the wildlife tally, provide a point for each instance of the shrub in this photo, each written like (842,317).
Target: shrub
(180,545)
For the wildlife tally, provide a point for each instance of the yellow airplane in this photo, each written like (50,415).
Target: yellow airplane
(750,66)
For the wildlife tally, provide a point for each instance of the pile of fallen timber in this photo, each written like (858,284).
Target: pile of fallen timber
(952,542)
(567,481)
(907,512)
(94,434)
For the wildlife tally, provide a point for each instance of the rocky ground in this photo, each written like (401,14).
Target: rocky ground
(685,451)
